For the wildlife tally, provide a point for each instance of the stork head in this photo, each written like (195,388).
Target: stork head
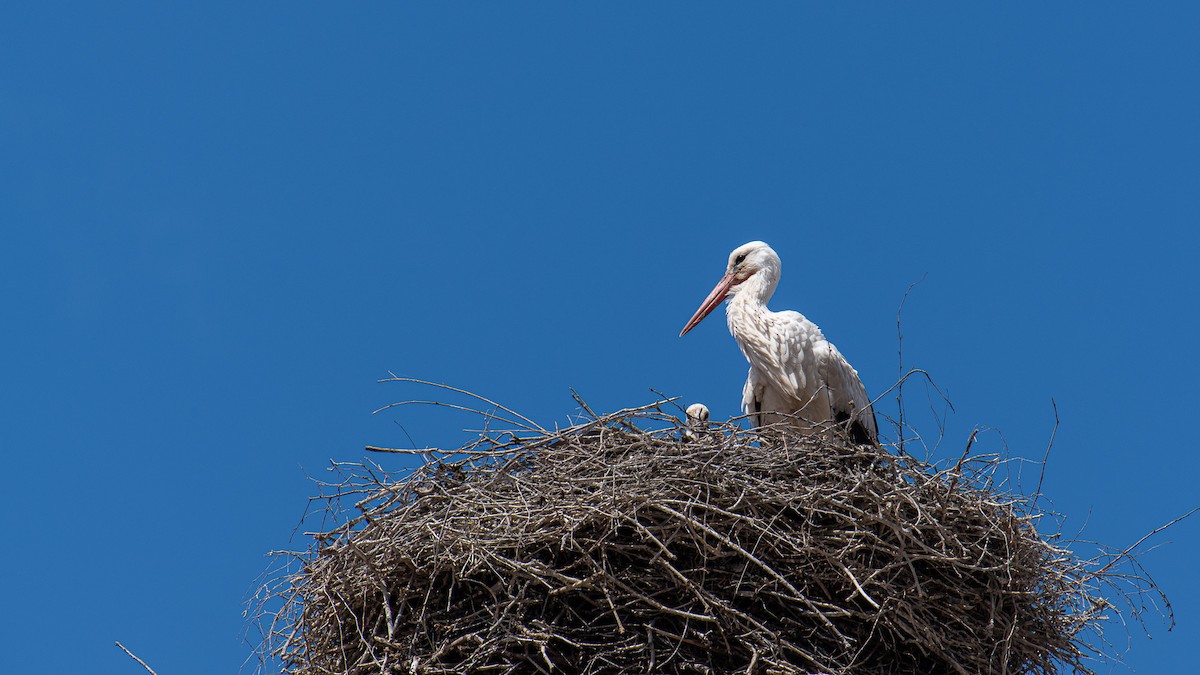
(753,260)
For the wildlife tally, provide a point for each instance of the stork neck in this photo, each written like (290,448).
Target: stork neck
(756,290)
(746,309)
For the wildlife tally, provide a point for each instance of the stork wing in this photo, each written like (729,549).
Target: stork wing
(788,367)
(813,372)
(847,396)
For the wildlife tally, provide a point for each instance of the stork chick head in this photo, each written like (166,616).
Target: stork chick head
(754,259)
(697,420)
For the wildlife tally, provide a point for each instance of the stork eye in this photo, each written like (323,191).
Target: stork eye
(740,259)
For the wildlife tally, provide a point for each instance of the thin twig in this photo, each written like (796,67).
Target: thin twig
(900,364)
(1125,554)
(135,658)
(395,378)
(403,451)
(1046,458)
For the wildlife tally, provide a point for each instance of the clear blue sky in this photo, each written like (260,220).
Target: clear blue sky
(223,222)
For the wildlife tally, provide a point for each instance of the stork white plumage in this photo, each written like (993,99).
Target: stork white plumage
(794,370)
(697,417)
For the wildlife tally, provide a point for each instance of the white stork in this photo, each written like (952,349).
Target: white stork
(794,370)
(697,417)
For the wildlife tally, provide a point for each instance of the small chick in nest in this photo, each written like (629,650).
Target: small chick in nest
(697,420)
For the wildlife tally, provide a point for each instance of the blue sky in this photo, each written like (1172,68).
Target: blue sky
(222,223)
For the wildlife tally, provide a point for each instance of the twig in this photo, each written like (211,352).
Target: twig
(900,363)
(135,658)
(1046,458)
(957,472)
(532,425)
(1139,542)
(403,451)
(583,404)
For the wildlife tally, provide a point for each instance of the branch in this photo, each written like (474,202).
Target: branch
(900,358)
(135,658)
(1139,542)
(1037,493)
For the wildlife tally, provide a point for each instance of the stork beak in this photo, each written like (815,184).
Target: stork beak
(711,302)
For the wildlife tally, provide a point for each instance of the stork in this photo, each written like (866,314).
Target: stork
(795,373)
(697,417)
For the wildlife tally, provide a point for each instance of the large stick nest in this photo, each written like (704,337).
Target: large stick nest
(606,547)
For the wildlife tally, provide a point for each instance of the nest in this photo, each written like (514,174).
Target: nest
(630,544)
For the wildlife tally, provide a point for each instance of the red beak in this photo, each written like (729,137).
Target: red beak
(711,302)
